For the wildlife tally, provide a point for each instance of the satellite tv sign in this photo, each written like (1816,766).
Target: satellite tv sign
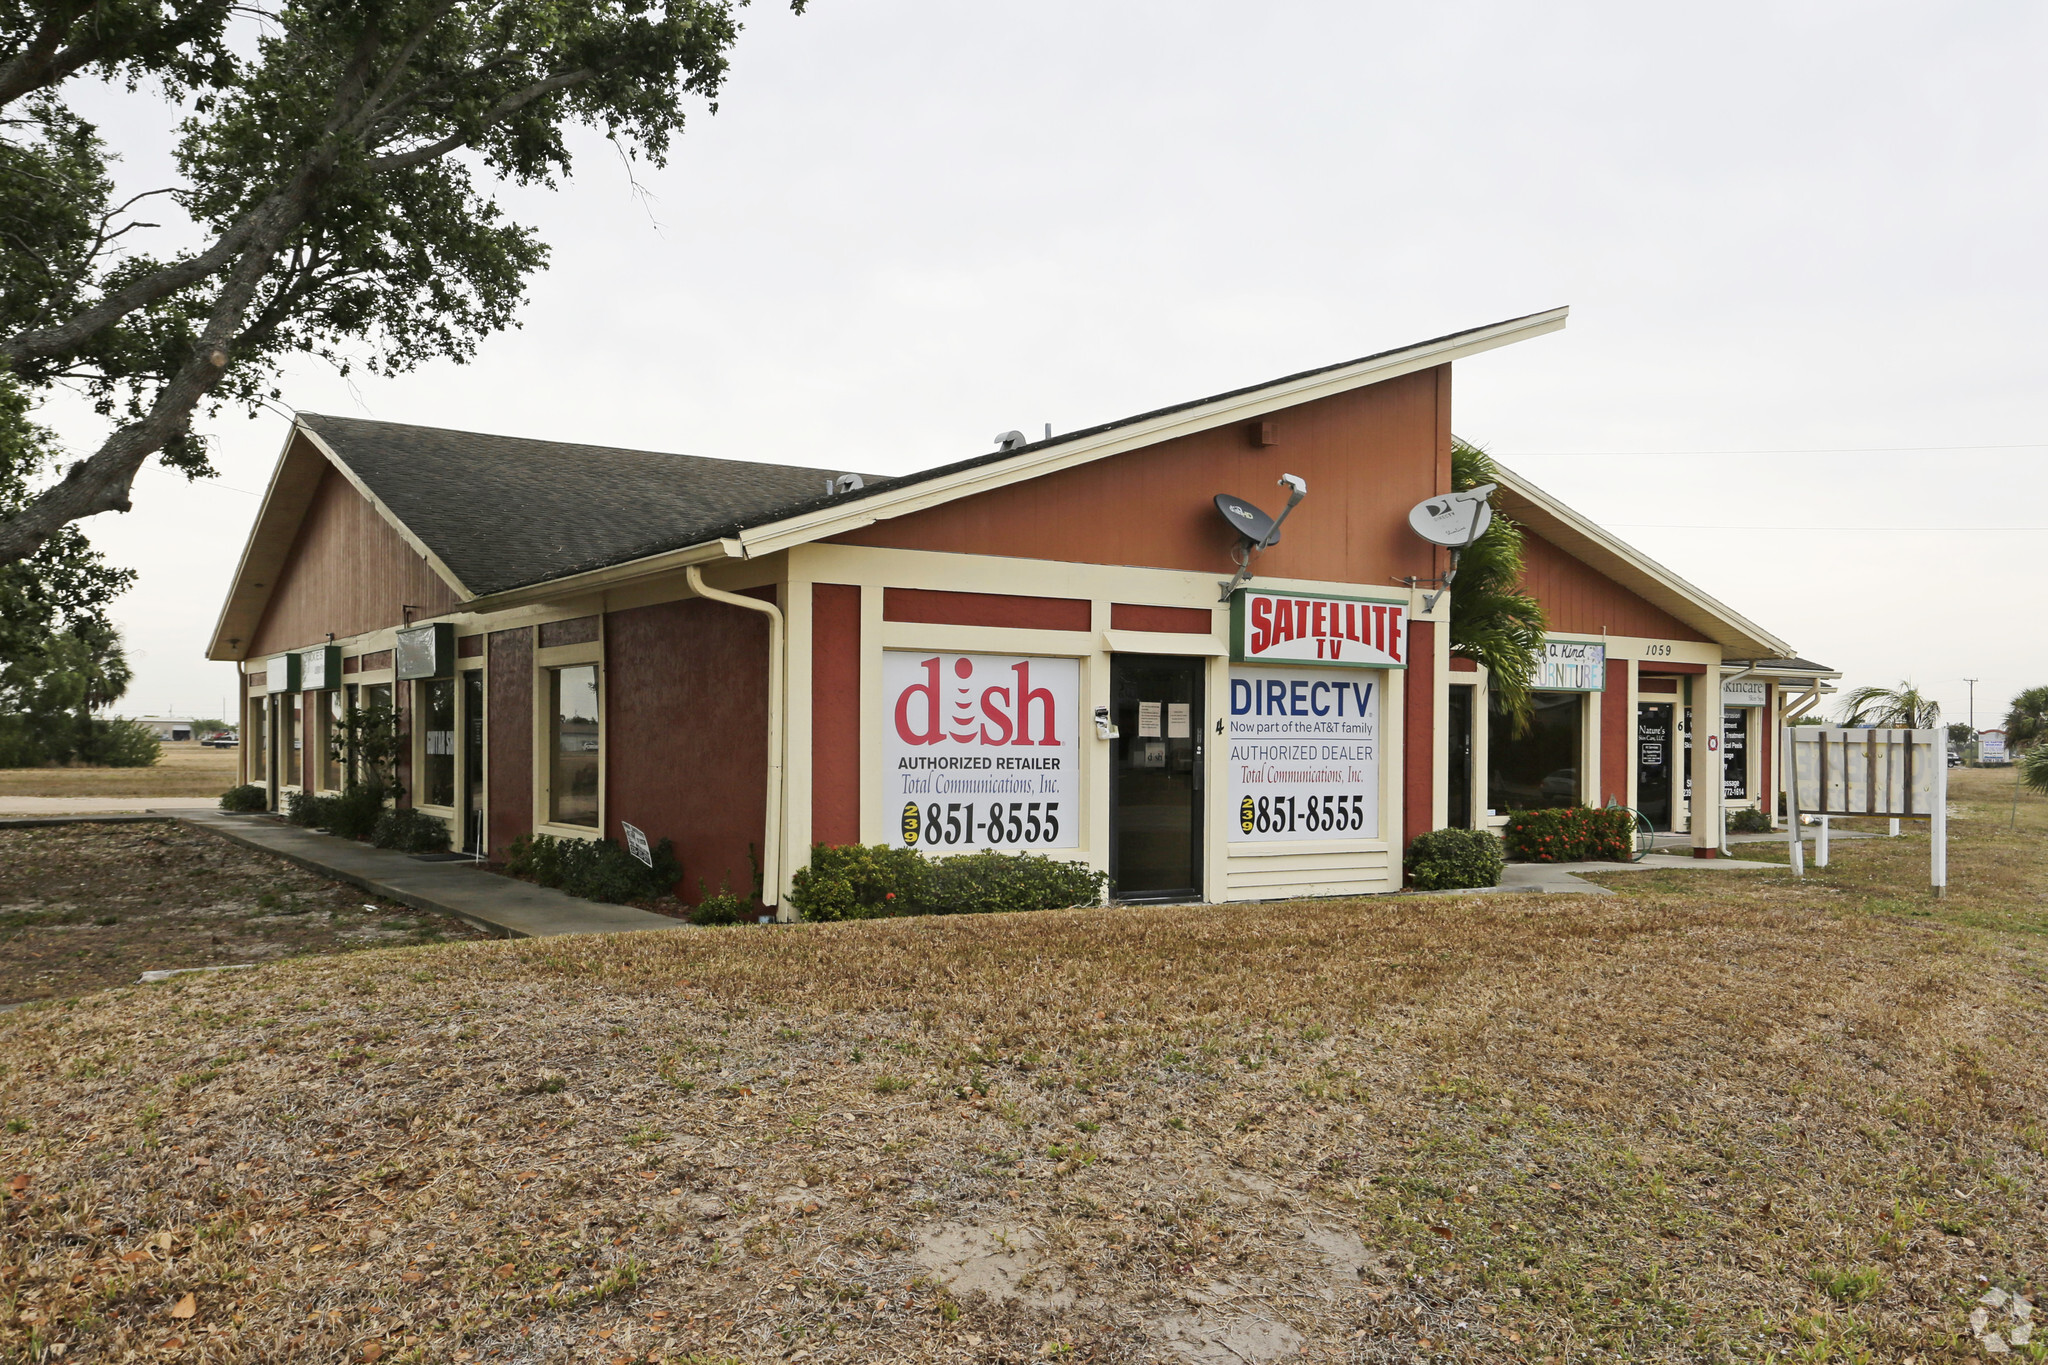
(1306,628)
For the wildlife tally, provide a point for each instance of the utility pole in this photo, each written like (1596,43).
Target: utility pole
(1973,718)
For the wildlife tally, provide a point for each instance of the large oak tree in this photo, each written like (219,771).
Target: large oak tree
(330,159)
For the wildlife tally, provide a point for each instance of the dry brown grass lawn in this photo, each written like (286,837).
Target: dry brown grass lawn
(1728,1118)
(186,769)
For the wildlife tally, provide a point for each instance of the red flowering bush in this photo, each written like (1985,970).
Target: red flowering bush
(1571,834)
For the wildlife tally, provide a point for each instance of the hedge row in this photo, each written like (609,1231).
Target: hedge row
(869,881)
(1571,834)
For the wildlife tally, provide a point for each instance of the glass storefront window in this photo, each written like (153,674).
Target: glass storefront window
(1540,766)
(437,741)
(573,743)
(259,752)
(288,744)
(1735,753)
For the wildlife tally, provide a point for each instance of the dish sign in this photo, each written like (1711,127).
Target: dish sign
(1304,755)
(980,751)
(1300,628)
(1571,666)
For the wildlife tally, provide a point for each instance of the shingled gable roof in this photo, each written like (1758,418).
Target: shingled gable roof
(505,511)
(503,519)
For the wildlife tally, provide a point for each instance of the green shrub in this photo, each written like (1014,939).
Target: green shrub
(245,798)
(1748,820)
(354,813)
(858,881)
(994,883)
(120,744)
(1454,860)
(409,831)
(1571,834)
(723,908)
(595,869)
(308,809)
(865,881)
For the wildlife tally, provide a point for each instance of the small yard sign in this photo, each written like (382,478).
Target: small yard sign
(636,843)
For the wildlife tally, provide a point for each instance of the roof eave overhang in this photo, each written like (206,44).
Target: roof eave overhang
(610,576)
(888,503)
(1614,558)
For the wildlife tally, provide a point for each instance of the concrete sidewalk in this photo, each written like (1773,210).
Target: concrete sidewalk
(1564,878)
(503,905)
(102,805)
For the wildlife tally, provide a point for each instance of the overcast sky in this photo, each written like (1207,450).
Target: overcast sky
(1802,245)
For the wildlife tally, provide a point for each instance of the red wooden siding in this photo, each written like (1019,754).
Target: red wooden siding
(686,716)
(985,609)
(1368,455)
(835,713)
(1165,620)
(508,717)
(1617,734)
(347,572)
(1580,601)
(1418,759)
(581,630)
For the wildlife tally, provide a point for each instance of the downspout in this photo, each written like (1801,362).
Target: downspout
(1719,729)
(771,837)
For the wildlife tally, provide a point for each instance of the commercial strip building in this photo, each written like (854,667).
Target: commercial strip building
(1031,649)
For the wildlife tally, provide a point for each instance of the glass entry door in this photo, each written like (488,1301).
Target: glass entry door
(1653,763)
(1155,836)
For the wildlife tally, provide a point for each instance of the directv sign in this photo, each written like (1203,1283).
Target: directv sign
(1302,628)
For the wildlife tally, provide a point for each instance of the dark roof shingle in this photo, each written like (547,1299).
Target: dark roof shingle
(504,511)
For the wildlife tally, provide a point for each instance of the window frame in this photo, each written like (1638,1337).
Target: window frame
(417,742)
(545,663)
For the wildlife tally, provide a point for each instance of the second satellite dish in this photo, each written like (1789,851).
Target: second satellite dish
(1454,519)
(1251,523)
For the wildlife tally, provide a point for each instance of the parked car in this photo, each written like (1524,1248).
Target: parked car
(225,739)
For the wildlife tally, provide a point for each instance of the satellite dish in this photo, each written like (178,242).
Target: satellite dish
(1247,520)
(1453,519)
(1010,440)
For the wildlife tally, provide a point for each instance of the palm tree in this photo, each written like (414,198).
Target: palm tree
(1494,622)
(1890,706)
(2026,723)
(2033,771)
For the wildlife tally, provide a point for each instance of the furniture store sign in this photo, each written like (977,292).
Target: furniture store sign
(1571,666)
(1300,628)
(1304,755)
(981,751)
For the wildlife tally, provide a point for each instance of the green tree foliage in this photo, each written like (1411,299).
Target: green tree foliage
(1493,621)
(60,657)
(329,160)
(2026,721)
(2033,768)
(1903,705)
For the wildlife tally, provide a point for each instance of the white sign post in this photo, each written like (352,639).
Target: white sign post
(1883,772)
(981,751)
(1304,754)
